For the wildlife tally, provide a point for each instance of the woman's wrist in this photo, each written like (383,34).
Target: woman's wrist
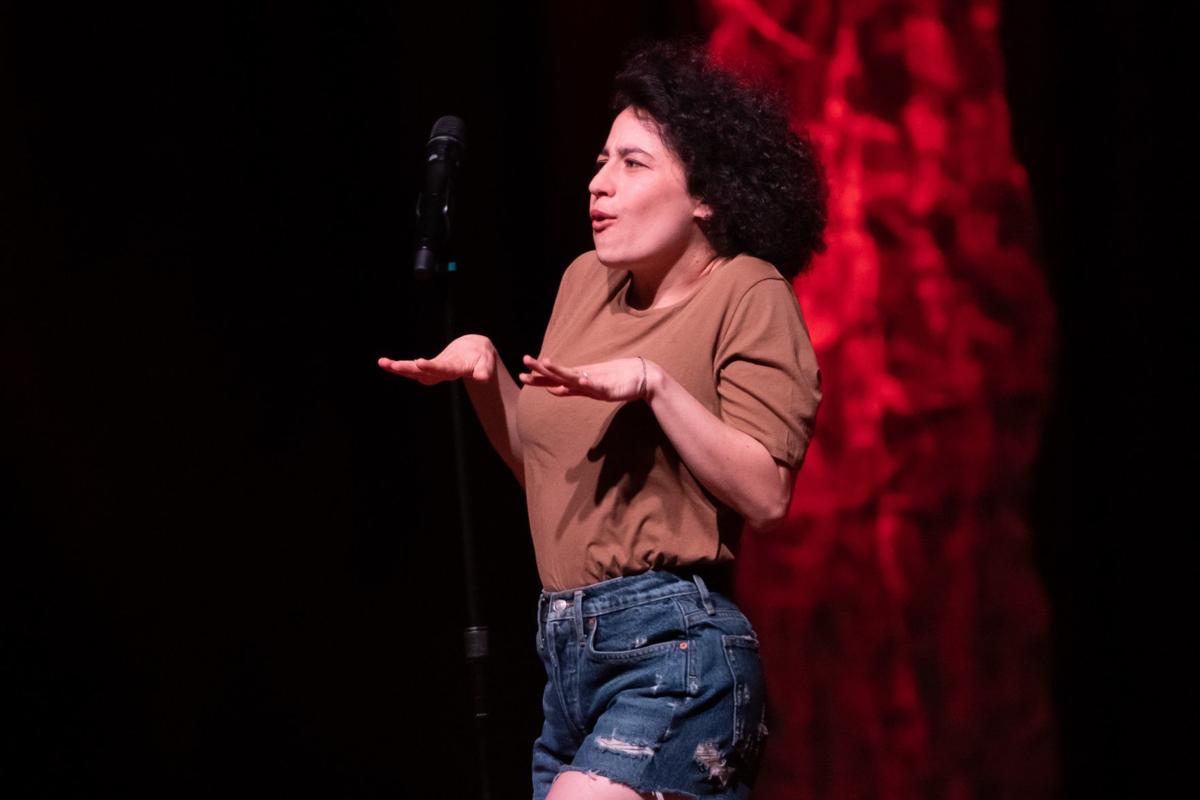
(654,379)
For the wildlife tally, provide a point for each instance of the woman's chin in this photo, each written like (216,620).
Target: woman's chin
(605,254)
(610,256)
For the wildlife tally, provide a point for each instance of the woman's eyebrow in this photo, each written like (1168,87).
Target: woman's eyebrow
(624,151)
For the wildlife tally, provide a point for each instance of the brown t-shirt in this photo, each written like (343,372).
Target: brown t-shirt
(608,494)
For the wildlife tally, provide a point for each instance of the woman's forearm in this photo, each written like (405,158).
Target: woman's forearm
(733,465)
(495,402)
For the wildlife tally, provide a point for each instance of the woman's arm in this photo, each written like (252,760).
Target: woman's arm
(495,401)
(732,465)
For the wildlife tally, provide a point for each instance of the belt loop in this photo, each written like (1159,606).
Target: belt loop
(540,625)
(704,598)
(579,615)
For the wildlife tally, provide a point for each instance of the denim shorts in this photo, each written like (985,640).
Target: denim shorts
(654,682)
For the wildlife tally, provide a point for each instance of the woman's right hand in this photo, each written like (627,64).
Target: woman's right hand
(471,356)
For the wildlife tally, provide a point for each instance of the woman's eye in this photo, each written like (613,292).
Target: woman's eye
(628,162)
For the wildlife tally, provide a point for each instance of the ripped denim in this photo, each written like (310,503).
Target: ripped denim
(654,682)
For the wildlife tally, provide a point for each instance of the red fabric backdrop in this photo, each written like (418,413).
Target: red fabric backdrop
(905,631)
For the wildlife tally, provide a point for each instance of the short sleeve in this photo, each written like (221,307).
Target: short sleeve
(768,380)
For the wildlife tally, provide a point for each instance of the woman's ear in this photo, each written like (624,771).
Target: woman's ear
(703,211)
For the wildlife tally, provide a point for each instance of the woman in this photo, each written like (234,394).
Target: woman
(671,403)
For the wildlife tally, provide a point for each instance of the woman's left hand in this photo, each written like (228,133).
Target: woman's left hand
(616,381)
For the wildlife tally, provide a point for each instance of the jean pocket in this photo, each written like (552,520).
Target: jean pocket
(637,632)
(749,691)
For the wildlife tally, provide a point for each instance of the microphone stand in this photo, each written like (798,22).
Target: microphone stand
(444,152)
(475,635)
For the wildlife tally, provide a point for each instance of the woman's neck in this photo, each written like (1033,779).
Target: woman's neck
(656,289)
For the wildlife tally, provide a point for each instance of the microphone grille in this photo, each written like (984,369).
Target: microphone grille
(450,127)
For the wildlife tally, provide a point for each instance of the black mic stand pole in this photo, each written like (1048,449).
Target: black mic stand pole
(475,635)
(429,263)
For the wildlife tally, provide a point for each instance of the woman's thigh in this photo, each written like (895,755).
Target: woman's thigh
(574,785)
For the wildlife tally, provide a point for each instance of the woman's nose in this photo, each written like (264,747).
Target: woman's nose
(599,183)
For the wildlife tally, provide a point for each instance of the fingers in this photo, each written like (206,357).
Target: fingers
(552,386)
(419,369)
(538,380)
(544,367)
(407,368)
(539,374)
(558,381)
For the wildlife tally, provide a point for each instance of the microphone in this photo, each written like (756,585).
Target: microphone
(443,152)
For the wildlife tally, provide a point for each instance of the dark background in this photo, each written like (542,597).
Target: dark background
(230,553)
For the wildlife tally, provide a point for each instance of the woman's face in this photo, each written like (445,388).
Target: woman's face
(643,187)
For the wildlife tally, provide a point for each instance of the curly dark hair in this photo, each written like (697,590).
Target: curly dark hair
(761,178)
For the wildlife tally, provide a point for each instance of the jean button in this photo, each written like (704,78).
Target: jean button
(559,605)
